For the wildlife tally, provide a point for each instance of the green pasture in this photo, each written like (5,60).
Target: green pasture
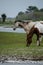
(15,44)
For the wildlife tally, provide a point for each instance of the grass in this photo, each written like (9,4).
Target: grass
(15,44)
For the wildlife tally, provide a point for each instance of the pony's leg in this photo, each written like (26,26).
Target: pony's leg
(29,40)
(36,31)
(38,40)
(29,37)
(38,43)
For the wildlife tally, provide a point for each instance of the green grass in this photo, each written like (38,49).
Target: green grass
(15,44)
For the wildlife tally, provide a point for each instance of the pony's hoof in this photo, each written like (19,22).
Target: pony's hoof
(38,45)
(27,45)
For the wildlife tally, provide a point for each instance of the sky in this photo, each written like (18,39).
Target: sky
(12,7)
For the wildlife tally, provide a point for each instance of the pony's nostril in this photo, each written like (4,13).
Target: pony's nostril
(14,28)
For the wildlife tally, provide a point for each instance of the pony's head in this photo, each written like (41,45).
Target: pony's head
(17,24)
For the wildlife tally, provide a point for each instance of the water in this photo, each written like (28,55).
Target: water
(24,63)
(18,30)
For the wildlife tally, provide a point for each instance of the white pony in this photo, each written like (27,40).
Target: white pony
(31,28)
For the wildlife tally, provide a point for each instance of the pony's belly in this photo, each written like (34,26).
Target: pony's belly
(40,27)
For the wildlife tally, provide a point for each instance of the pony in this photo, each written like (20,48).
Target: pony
(30,28)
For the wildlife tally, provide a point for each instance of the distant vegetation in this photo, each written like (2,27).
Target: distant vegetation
(31,13)
(3,17)
(7,21)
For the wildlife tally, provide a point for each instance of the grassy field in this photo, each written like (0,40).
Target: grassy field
(15,44)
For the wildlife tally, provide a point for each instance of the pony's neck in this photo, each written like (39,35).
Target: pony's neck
(27,27)
(22,25)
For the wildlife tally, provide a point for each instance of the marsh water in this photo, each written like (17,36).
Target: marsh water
(18,30)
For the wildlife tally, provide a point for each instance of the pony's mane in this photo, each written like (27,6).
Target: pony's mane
(21,21)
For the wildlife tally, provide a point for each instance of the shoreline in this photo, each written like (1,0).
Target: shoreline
(6,59)
(19,61)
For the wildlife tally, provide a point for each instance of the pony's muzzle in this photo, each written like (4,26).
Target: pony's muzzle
(14,28)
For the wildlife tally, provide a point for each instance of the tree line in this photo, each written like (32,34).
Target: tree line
(31,13)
